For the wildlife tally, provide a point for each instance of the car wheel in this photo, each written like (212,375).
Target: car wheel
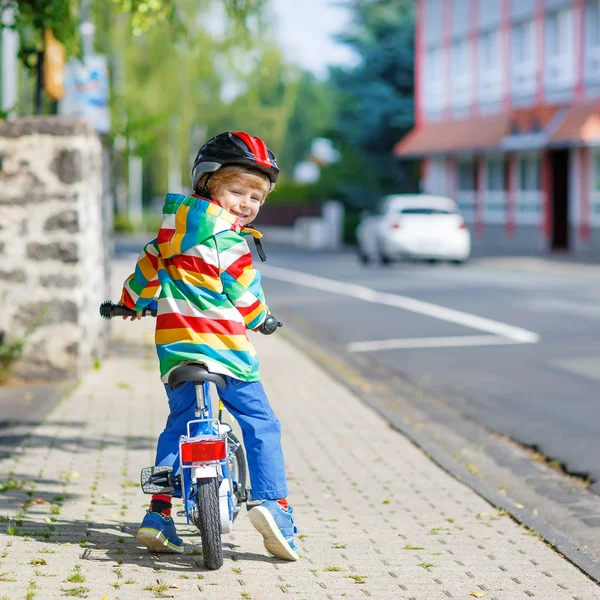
(384,259)
(459,262)
(362,257)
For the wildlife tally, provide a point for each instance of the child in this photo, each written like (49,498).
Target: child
(209,295)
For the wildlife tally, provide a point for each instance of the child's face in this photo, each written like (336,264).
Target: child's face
(241,198)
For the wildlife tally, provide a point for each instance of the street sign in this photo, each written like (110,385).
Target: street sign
(87,91)
(54,66)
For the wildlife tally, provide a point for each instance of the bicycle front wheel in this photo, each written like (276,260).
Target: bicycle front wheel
(209,522)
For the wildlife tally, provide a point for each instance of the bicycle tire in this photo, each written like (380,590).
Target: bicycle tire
(209,522)
(240,471)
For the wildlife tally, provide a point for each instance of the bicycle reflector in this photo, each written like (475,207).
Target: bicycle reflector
(202,451)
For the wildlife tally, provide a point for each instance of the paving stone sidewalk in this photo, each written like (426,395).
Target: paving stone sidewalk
(378,519)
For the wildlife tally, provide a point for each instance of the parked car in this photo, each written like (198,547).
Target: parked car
(416,226)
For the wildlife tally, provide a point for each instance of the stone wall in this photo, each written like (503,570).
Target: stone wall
(54,243)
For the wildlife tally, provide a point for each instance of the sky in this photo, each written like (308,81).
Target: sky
(304,32)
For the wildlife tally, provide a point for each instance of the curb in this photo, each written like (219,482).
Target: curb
(337,367)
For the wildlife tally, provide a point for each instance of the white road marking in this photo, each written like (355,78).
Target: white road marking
(431,342)
(515,334)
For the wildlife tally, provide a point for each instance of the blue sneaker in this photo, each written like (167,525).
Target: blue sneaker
(277,528)
(158,534)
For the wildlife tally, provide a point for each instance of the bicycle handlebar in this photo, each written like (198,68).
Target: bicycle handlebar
(109,309)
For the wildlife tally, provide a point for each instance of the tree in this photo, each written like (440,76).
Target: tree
(375,100)
(30,18)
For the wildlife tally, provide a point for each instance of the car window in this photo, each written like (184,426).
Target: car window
(425,211)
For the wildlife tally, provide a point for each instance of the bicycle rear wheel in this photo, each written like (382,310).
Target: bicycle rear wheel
(209,522)
(239,470)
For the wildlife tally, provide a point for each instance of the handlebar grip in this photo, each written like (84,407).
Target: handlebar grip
(270,325)
(109,309)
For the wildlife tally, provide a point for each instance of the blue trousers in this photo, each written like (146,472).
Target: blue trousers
(261,431)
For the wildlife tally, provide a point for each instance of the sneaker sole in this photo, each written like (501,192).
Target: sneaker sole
(275,543)
(155,541)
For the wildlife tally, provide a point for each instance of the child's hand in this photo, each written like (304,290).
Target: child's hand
(135,317)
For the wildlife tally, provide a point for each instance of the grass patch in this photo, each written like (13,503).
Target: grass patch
(12,484)
(129,582)
(38,562)
(361,579)
(338,546)
(333,569)
(236,570)
(76,576)
(411,547)
(426,565)
(157,587)
(76,592)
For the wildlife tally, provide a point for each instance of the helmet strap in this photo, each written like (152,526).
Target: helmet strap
(204,191)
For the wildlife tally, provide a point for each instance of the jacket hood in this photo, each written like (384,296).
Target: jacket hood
(189,220)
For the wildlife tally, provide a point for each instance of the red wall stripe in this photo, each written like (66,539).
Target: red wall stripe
(474,41)
(447,53)
(506,49)
(539,25)
(419,61)
(579,37)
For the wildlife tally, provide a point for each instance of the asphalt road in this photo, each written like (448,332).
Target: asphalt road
(536,375)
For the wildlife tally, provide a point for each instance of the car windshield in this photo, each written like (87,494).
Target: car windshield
(425,211)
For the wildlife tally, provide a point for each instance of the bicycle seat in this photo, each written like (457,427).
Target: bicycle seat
(195,373)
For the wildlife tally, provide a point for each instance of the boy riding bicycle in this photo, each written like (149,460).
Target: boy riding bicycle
(209,295)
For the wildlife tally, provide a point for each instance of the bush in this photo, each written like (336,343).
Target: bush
(351,221)
(150,223)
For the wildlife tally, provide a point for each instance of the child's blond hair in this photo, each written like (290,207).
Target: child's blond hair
(230,173)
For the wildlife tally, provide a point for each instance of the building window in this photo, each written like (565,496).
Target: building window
(495,174)
(461,73)
(528,191)
(592,41)
(434,80)
(495,199)
(466,188)
(523,58)
(490,77)
(560,66)
(466,175)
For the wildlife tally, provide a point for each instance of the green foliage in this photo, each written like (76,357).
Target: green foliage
(375,101)
(150,223)
(11,349)
(33,17)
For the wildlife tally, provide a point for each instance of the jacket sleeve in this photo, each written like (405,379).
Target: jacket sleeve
(241,282)
(141,287)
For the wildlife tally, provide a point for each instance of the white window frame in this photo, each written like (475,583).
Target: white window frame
(592,41)
(433,83)
(560,49)
(528,201)
(490,67)
(461,73)
(523,59)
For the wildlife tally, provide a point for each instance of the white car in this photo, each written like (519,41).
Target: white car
(415,226)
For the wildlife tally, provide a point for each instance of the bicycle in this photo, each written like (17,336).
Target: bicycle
(213,478)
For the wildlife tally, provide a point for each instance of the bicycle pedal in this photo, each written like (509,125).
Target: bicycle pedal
(157,480)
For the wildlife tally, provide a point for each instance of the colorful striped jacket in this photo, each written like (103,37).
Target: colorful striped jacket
(200,267)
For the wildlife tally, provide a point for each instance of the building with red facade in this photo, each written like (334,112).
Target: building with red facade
(507,119)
